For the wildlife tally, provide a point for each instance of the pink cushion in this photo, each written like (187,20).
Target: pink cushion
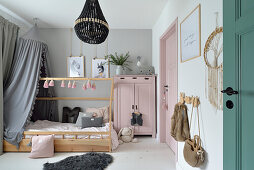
(42,146)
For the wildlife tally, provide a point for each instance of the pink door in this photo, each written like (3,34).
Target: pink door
(171,81)
(125,104)
(168,82)
(144,104)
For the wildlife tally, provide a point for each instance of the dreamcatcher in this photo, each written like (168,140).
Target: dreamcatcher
(214,70)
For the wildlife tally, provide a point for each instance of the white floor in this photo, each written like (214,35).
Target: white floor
(148,154)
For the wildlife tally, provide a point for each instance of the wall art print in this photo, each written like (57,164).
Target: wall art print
(76,66)
(190,36)
(100,68)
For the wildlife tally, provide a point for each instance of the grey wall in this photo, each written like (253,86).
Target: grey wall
(137,42)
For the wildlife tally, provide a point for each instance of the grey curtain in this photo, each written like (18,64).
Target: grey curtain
(21,88)
(1,108)
(45,109)
(8,38)
(23,85)
(8,34)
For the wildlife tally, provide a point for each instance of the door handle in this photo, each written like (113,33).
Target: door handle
(132,107)
(229,91)
(165,88)
(136,107)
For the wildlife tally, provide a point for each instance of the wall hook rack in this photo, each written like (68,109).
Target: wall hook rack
(194,100)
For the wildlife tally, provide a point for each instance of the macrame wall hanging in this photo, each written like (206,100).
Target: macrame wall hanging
(214,70)
(91,26)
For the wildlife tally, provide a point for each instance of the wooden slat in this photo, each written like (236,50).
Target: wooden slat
(22,146)
(73,98)
(65,145)
(82,147)
(63,133)
(99,142)
(75,78)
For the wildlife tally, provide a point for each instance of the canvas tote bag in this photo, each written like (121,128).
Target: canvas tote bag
(193,152)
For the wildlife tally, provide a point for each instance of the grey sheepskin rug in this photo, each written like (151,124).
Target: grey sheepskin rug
(89,161)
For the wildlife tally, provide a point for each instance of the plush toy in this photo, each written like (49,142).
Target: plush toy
(126,135)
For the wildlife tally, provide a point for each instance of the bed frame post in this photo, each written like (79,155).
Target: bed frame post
(110,113)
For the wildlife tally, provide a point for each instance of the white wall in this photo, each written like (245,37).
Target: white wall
(137,42)
(191,77)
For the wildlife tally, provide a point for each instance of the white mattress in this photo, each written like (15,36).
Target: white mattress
(45,125)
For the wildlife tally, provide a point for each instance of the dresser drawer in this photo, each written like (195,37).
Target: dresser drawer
(134,79)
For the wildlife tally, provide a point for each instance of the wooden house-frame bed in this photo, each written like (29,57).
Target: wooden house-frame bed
(102,144)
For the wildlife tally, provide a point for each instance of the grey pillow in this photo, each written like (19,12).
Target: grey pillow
(92,122)
(79,120)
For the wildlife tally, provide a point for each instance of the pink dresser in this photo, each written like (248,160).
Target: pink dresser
(135,93)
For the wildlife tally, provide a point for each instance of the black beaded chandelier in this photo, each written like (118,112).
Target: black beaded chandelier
(91,26)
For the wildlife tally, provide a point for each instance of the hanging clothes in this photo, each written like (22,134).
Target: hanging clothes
(180,130)
(137,119)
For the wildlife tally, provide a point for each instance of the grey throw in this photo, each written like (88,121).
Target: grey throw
(8,38)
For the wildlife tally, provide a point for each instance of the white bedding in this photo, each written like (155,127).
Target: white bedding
(45,125)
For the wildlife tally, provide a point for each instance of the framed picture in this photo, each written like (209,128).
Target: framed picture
(76,66)
(100,68)
(190,36)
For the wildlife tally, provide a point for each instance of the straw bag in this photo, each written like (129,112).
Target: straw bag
(193,153)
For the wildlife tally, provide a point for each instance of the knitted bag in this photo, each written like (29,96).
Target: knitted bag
(179,123)
(193,153)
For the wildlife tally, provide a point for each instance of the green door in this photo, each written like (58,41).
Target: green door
(238,131)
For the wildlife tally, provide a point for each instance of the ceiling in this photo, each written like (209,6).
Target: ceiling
(120,14)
